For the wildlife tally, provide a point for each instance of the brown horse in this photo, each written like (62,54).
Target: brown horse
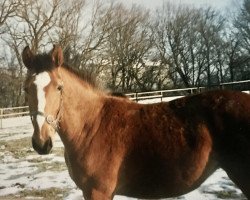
(116,146)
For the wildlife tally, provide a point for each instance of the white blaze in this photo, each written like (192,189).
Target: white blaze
(41,81)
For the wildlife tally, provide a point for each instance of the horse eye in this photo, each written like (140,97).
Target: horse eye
(59,87)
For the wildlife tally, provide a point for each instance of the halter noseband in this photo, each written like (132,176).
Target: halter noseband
(49,118)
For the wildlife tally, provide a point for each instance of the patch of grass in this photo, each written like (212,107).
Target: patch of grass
(22,150)
(229,194)
(23,147)
(53,166)
(225,194)
(46,194)
(46,163)
(19,147)
(59,151)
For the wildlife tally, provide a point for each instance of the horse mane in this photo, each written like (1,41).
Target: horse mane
(43,62)
(83,75)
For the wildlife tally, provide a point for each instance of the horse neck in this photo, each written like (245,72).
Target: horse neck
(81,107)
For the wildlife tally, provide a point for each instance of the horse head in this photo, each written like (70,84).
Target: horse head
(43,87)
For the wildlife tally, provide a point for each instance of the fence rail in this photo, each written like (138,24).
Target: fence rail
(136,96)
(13,112)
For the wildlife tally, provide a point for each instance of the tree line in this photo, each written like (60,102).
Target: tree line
(128,48)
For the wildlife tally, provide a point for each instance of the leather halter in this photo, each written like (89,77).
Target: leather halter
(54,122)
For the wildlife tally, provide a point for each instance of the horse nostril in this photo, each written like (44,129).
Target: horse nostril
(48,145)
(42,149)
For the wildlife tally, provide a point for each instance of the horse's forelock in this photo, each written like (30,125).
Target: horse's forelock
(44,62)
(41,63)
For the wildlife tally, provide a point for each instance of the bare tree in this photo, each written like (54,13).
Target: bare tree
(127,45)
(8,75)
(7,10)
(241,22)
(83,39)
(36,19)
(240,60)
(33,23)
(186,39)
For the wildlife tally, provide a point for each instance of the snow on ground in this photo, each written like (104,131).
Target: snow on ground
(23,171)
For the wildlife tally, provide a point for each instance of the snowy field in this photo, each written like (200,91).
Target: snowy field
(26,175)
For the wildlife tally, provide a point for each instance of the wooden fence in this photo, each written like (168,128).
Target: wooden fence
(13,112)
(136,96)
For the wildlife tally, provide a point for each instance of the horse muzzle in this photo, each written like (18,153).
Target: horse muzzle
(44,148)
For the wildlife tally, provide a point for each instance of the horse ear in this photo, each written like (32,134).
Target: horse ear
(27,57)
(57,55)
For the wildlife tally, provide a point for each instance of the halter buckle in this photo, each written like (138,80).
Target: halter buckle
(49,119)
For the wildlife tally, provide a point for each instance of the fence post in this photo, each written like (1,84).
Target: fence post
(1,118)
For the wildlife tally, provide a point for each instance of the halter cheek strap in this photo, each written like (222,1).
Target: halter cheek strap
(48,118)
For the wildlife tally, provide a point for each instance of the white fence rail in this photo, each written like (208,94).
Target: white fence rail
(13,112)
(136,96)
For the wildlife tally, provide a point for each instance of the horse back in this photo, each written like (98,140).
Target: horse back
(226,113)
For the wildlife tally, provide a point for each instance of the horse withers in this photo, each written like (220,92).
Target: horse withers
(116,146)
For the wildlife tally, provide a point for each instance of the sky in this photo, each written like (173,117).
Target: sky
(218,4)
